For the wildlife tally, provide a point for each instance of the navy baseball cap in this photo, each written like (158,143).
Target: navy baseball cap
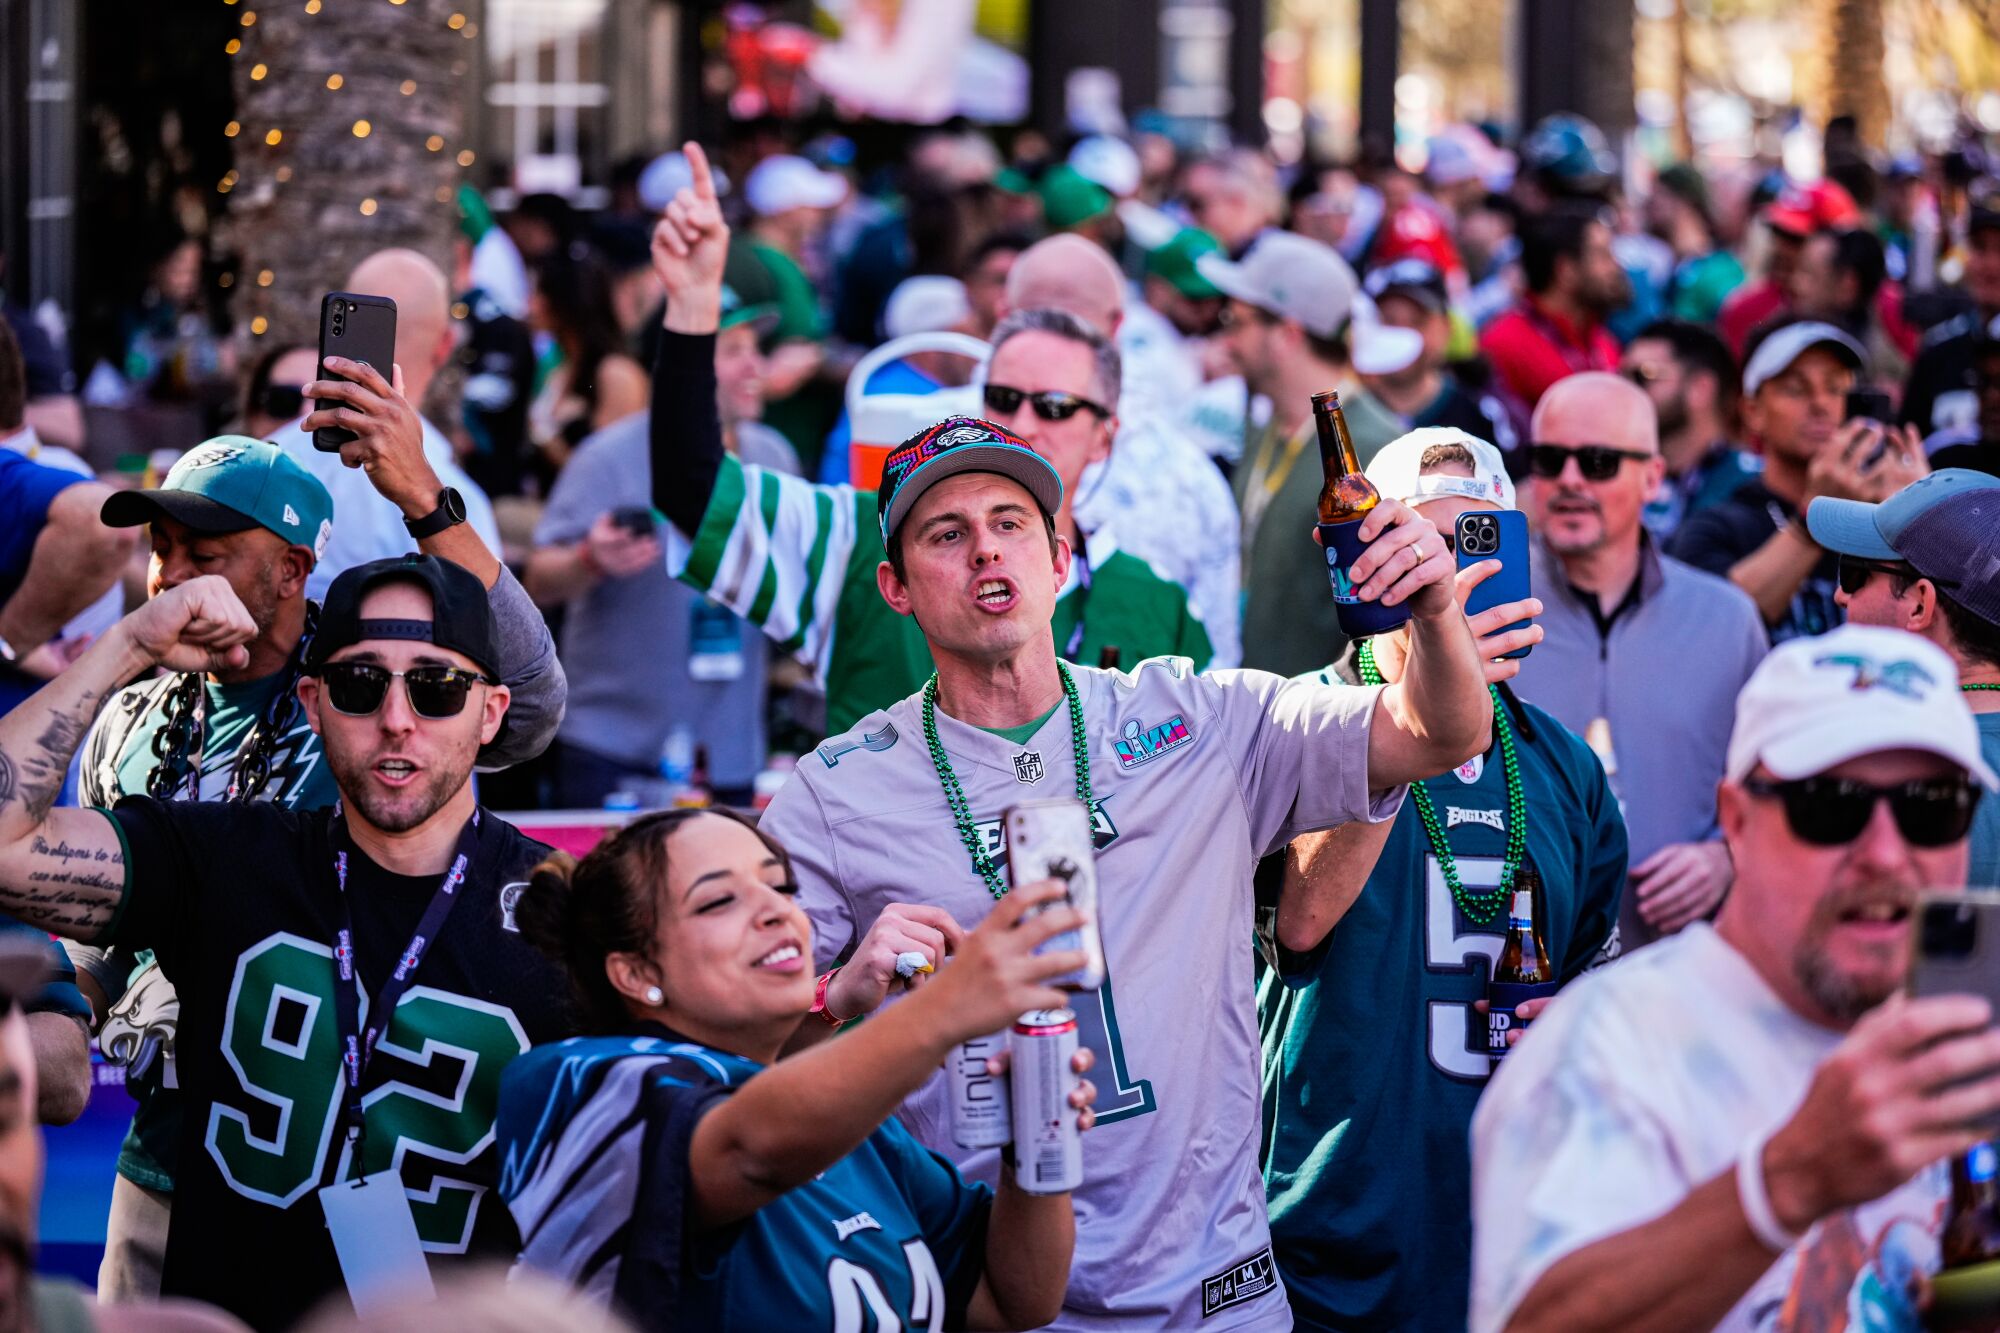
(1945,526)
(955,445)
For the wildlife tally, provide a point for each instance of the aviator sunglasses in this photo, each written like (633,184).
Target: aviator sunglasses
(358,688)
(1831,812)
(1050,405)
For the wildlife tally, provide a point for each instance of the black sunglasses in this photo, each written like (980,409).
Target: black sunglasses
(1854,571)
(1597,462)
(1831,812)
(358,688)
(1050,405)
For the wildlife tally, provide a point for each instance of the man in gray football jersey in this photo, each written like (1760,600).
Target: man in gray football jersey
(1189,778)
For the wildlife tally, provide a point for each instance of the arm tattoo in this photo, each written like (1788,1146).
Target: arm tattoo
(70,889)
(38,778)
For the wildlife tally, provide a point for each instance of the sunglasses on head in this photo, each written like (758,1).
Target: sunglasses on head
(1831,812)
(281,402)
(1049,405)
(1597,462)
(358,688)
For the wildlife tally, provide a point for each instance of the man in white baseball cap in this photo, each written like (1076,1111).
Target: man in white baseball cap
(1358,1104)
(1749,1115)
(1293,326)
(790,202)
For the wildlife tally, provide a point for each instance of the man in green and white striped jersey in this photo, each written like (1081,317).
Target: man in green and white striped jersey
(802,560)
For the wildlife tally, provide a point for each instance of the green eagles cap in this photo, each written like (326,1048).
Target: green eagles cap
(764,314)
(1070,199)
(1175,264)
(230,484)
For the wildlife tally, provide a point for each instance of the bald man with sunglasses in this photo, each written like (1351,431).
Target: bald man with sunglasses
(351,981)
(1644,654)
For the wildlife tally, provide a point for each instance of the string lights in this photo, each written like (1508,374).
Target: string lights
(360,128)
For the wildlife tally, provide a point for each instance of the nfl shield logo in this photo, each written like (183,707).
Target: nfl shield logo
(1028,766)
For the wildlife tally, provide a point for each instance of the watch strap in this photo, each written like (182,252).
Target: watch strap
(450,511)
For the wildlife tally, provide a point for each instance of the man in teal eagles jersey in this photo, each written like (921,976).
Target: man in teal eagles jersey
(800,559)
(246,510)
(1375,1049)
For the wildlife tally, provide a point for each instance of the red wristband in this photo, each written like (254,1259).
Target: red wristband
(819,1009)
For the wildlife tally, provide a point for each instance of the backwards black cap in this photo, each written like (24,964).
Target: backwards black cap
(461,615)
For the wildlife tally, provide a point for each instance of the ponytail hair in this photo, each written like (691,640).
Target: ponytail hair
(578,913)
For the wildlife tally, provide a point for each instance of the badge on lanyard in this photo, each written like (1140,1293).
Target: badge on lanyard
(374,1232)
(715,645)
(375,1237)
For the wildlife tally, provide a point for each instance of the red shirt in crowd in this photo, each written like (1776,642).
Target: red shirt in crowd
(1746,308)
(1531,347)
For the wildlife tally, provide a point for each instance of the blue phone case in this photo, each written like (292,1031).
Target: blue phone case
(1511,583)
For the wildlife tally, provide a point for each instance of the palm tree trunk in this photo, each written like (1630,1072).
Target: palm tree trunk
(349,130)
(1851,54)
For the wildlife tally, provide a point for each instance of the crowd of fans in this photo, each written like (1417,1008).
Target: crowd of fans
(874,504)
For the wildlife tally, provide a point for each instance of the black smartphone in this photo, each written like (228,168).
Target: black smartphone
(1483,534)
(1870,404)
(360,328)
(635,519)
(1955,948)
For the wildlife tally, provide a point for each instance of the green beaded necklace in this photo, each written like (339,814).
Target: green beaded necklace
(954,795)
(1478,907)
(1968,689)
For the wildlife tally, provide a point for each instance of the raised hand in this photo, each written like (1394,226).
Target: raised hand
(1406,561)
(690,248)
(388,441)
(197,626)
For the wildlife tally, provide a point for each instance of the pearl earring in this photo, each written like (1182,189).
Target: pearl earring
(655,996)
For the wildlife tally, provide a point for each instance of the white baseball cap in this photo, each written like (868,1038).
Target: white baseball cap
(1396,469)
(782,183)
(1300,279)
(1110,162)
(1861,689)
(1774,356)
(667,175)
(926,303)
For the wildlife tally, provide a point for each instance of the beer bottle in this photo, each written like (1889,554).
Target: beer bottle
(1963,1292)
(1344,501)
(1109,657)
(1523,971)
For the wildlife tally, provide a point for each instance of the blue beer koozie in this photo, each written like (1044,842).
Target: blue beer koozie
(1358,619)
(1502,999)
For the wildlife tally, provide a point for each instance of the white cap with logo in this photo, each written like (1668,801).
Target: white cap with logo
(1774,356)
(1300,279)
(1814,704)
(1397,469)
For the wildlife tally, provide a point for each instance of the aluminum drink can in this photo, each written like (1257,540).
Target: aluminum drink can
(981,1115)
(1048,1148)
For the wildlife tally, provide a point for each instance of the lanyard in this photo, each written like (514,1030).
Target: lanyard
(1268,475)
(357,1044)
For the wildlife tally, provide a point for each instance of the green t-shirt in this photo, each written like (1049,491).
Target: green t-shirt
(803,417)
(1288,618)
(1019,735)
(799,559)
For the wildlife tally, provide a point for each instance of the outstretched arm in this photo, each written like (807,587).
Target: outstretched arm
(64,871)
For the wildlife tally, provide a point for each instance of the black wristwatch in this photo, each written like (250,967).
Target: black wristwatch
(450,511)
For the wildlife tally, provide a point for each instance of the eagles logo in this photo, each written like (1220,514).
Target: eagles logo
(140,1028)
(209,455)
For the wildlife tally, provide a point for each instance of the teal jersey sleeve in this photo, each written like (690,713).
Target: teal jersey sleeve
(775,549)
